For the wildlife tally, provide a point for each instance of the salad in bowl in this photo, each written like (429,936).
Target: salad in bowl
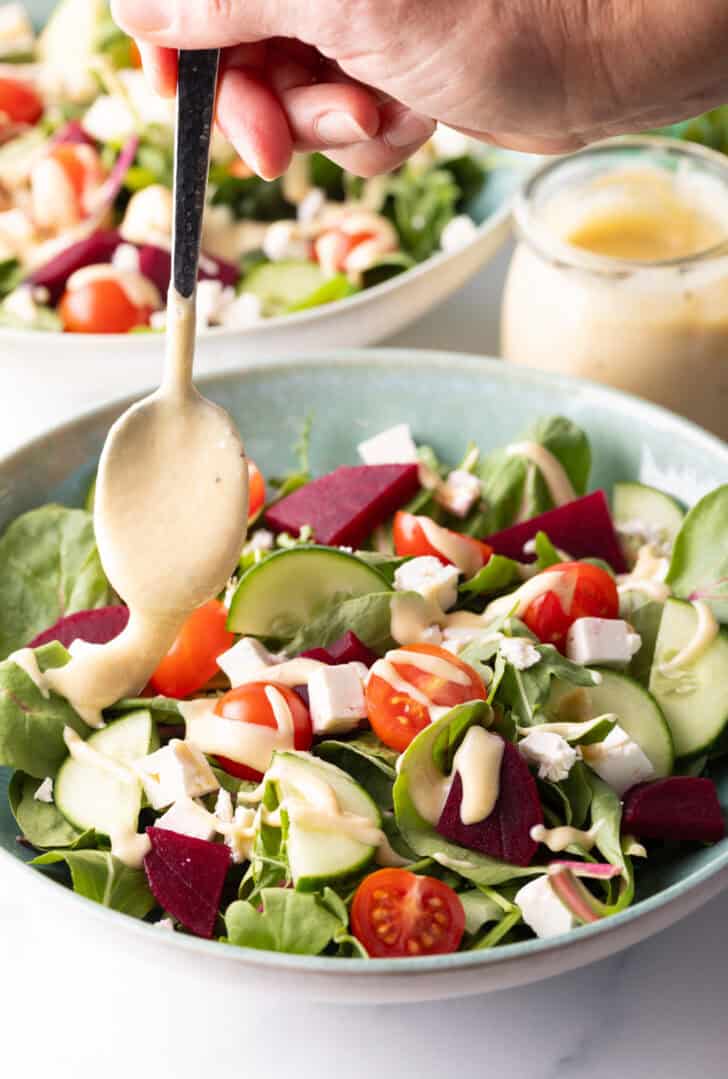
(86,154)
(438,708)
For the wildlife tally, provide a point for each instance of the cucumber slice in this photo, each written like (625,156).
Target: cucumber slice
(92,797)
(317,856)
(281,286)
(637,711)
(634,503)
(288,589)
(696,702)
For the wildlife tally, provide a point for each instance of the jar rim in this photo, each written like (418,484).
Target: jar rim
(549,246)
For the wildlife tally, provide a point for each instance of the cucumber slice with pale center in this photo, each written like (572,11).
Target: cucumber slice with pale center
(637,711)
(318,855)
(695,698)
(90,795)
(289,589)
(286,285)
(634,504)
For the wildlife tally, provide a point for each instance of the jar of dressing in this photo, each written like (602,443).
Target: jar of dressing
(621,273)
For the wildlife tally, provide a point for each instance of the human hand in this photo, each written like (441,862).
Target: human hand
(363,80)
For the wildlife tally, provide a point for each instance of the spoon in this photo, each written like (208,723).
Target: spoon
(172,491)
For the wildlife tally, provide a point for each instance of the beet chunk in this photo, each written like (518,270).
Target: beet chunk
(348,649)
(583,528)
(186,877)
(345,506)
(99,247)
(681,808)
(97,626)
(506,833)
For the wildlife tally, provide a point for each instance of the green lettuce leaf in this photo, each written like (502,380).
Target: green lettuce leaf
(291,922)
(526,692)
(497,574)
(99,876)
(367,760)
(699,566)
(369,617)
(42,823)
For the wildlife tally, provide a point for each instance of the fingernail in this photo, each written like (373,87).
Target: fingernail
(409,128)
(339,129)
(142,16)
(251,158)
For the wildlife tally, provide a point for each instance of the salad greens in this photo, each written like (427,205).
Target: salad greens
(699,566)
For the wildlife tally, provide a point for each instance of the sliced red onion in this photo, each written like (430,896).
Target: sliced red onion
(103,198)
(575,897)
(590,870)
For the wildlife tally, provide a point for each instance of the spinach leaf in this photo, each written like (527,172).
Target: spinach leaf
(291,922)
(479,909)
(699,566)
(100,876)
(49,567)
(31,725)
(526,692)
(646,621)
(367,760)
(164,709)
(546,553)
(573,796)
(496,575)
(369,617)
(449,738)
(42,823)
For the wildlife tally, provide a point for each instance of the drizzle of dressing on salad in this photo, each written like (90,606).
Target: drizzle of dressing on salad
(648,575)
(516,603)
(554,474)
(246,743)
(478,763)
(86,754)
(452,546)
(441,668)
(559,839)
(26,659)
(706,630)
(139,290)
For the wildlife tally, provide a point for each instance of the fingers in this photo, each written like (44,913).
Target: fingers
(251,116)
(204,24)
(328,115)
(401,133)
(160,68)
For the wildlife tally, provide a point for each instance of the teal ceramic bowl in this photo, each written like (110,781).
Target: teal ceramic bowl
(447,399)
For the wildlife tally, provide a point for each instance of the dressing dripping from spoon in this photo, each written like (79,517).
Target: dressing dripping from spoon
(171,504)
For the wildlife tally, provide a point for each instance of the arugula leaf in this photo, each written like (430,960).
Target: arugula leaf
(499,931)
(573,796)
(526,692)
(291,922)
(100,876)
(49,567)
(369,617)
(31,725)
(366,760)
(699,566)
(496,575)
(479,909)
(420,204)
(42,823)
(607,808)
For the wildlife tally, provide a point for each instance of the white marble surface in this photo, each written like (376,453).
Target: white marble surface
(76,1006)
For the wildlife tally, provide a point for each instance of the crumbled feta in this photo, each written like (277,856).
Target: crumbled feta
(241,836)
(542,909)
(178,770)
(283,240)
(187,818)
(459,493)
(224,806)
(458,233)
(109,119)
(395,446)
(519,652)
(244,661)
(428,576)
(336,698)
(126,257)
(44,792)
(311,205)
(21,304)
(261,540)
(552,753)
(212,299)
(148,217)
(601,641)
(242,312)
(164,923)
(619,761)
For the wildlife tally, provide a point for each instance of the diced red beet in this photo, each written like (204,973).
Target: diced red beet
(98,247)
(97,626)
(186,877)
(71,133)
(348,649)
(583,528)
(684,808)
(156,264)
(345,506)
(506,833)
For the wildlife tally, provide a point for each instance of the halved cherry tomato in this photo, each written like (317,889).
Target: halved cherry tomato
(256,489)
(82,165)
(101,306)
(249,704)
(334,246)
(398,914)
(135,57)
(19,102)
(396,717)
(594,596)
(192,659)
(410,539)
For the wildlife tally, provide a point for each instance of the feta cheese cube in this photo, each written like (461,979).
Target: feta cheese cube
(552,753)
(336,698)
(619,761)
(126,258)
(283,240)
(224,806)
(44,792)
(245,661)
(242,312)
(395,446)
(458,233)
(602,641)
(178,770)
(519,652)
(542,909)
(428,576)
(459,493)
(188,818)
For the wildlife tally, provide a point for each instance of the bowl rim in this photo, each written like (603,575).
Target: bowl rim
(704,879)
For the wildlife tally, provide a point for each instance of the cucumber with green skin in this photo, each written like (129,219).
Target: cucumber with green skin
(638,502)
(287,590)
(89,796)
(292,285)
(695,699)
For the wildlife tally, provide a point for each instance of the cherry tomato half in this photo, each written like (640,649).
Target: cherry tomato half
(396,717)
(249,704)
(396,913)
(82,165)
(256,489)
(101,306)
(19,102)
(594,595)
(410,540)
(192,660)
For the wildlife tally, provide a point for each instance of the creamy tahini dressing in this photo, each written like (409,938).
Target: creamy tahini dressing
(139,289)
(559,839)
(706,630)
(84,753)
(435,665)
(554,475)
(478,763)
(647,575)
(516,604)
(452,546)
(25,658)
(245,743)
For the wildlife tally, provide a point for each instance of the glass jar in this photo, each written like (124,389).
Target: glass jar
(621,273)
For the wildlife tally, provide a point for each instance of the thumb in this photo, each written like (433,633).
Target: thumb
(206,24)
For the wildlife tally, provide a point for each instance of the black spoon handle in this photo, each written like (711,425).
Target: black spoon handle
(195,110)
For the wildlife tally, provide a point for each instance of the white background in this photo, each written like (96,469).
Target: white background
(75,1005)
